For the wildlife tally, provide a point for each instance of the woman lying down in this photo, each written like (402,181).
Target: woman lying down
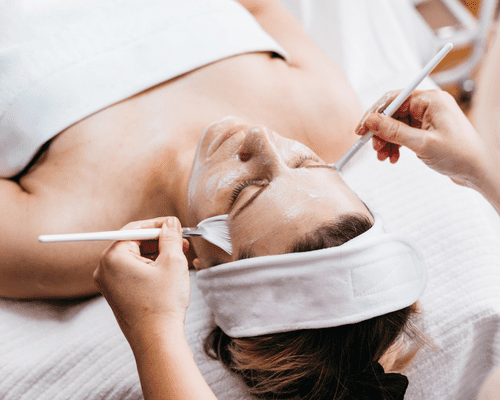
(330,320)
(327,312)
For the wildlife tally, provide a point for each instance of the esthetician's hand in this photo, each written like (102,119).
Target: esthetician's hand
(147,283)
(432,125)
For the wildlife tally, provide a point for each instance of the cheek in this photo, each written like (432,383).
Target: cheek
(255,233)
(194,183)
(208,254)
(213,182)
(221,184)
(240,231)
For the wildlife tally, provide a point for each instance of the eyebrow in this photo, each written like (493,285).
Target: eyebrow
(258,192)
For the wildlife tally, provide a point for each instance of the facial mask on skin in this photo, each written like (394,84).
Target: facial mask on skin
(371,275)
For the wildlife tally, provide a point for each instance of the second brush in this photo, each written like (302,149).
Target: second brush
(213,229)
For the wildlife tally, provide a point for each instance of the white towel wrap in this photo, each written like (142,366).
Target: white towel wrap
(371,275)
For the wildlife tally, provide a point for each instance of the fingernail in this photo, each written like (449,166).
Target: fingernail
(185,245)
(172,222)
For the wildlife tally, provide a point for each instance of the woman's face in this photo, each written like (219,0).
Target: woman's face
(274,189)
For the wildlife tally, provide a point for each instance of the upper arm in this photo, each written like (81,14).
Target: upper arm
(29,269)
(311,66)
(288,32)
(14,221)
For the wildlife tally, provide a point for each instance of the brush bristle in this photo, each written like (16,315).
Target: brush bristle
(216,231)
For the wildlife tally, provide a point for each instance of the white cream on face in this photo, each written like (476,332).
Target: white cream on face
(196,172)
(217,183)
(228,179)
(292,205)
(296,200)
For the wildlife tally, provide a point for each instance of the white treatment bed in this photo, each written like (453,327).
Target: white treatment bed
(75,350)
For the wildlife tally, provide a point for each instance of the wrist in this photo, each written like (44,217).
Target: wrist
(166,365)
(487,180)
(150,332)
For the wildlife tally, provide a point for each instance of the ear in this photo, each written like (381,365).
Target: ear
(199,265)
(207,254)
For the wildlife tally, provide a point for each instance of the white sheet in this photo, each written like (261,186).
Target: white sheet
(74,350)
(66,71)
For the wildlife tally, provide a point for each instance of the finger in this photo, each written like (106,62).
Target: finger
(385,100)
(361,129)
(393,131)
(394,157)
(118,258)
(170,242)
(97,278)
(412,111)
(389,151)
(379,106)
(122,248)
(378,144)
(384,153)
(146,224)
(185,245)
(138,246)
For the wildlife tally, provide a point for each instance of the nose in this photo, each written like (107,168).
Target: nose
(260,145)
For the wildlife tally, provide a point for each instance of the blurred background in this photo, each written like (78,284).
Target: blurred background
(470,26)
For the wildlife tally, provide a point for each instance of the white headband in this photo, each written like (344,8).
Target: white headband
(368,276)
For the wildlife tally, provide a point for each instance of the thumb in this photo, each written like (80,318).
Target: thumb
(394,131)
(170,241)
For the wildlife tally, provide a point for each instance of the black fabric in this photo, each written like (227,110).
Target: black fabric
(375,384)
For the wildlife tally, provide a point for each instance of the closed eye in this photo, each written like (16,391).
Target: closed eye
(302,159)
(240,187)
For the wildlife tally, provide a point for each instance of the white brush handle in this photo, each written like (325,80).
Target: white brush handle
(396,103)
(132,234)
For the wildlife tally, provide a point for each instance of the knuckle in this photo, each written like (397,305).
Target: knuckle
(446,95)
(393,132)
(171,238)
(159,221)
(443,95)
(105,256)
(175,258)
(110,257)
(132,225)
(153,223)
(97,277)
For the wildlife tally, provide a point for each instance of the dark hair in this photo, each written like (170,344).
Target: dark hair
(319,364)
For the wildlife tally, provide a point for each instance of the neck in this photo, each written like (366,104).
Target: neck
(178,182)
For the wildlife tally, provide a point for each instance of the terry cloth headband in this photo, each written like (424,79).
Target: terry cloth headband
(368,276)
